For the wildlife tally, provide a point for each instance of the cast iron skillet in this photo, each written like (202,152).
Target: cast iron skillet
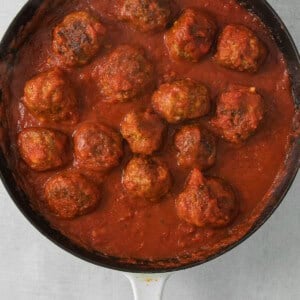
(284,41)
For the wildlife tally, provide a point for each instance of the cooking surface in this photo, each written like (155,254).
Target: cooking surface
(134,228)
(262,242)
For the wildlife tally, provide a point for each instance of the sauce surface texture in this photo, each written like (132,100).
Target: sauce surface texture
(121,225)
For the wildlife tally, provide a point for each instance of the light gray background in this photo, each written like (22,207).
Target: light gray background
(266,266)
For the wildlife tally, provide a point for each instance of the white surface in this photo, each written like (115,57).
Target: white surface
(143,289)
(266,266)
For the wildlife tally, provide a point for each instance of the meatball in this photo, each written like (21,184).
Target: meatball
(70,194)
(78,38)
(240,49)
(195,146)
(206,202)
(146,177)
(239,113)
(143,132)
(191,36)
(97,147)
(43,149)
(181,100)
(49,97)
(125,74)
(146,15)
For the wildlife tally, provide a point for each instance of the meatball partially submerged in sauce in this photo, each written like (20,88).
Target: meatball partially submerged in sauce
(43,149)
(125,74)
(191,36)
(181,100)
(146,177)
(239,113)
(206,202)
(49,97)
(143,132)
(78,38)
(195,146)
(97,147)
(145,15)
(240,49)
(70,194)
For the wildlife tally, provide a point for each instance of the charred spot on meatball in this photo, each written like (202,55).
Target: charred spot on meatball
(191,36)
(145,15)
(195,146)
(97,147)
(240,49)
(206,202)
(43,149)
(181,100)
(239,113)
(49,97)
(70,194)
(143,132)
(78,38)
(147,177)
(125,74)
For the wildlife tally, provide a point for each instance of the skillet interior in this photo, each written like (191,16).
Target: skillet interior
(285,44)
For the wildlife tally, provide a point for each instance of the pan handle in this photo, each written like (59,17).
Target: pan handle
(148,286)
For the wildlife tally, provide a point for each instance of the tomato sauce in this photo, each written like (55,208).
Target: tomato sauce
(130,228)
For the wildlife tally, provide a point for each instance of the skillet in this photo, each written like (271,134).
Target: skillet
(285,43)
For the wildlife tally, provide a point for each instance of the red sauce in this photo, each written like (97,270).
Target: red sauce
(129,228)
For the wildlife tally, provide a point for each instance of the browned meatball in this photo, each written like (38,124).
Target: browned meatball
(191,36)
(43,149)
(240,49)
(146,177)
(145,15)
(78,38)
(206,202)
(195,146)
(97,147)
(125,74)
(143,132)
(70,194)
(239,113)
(49,97)
(181,100)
